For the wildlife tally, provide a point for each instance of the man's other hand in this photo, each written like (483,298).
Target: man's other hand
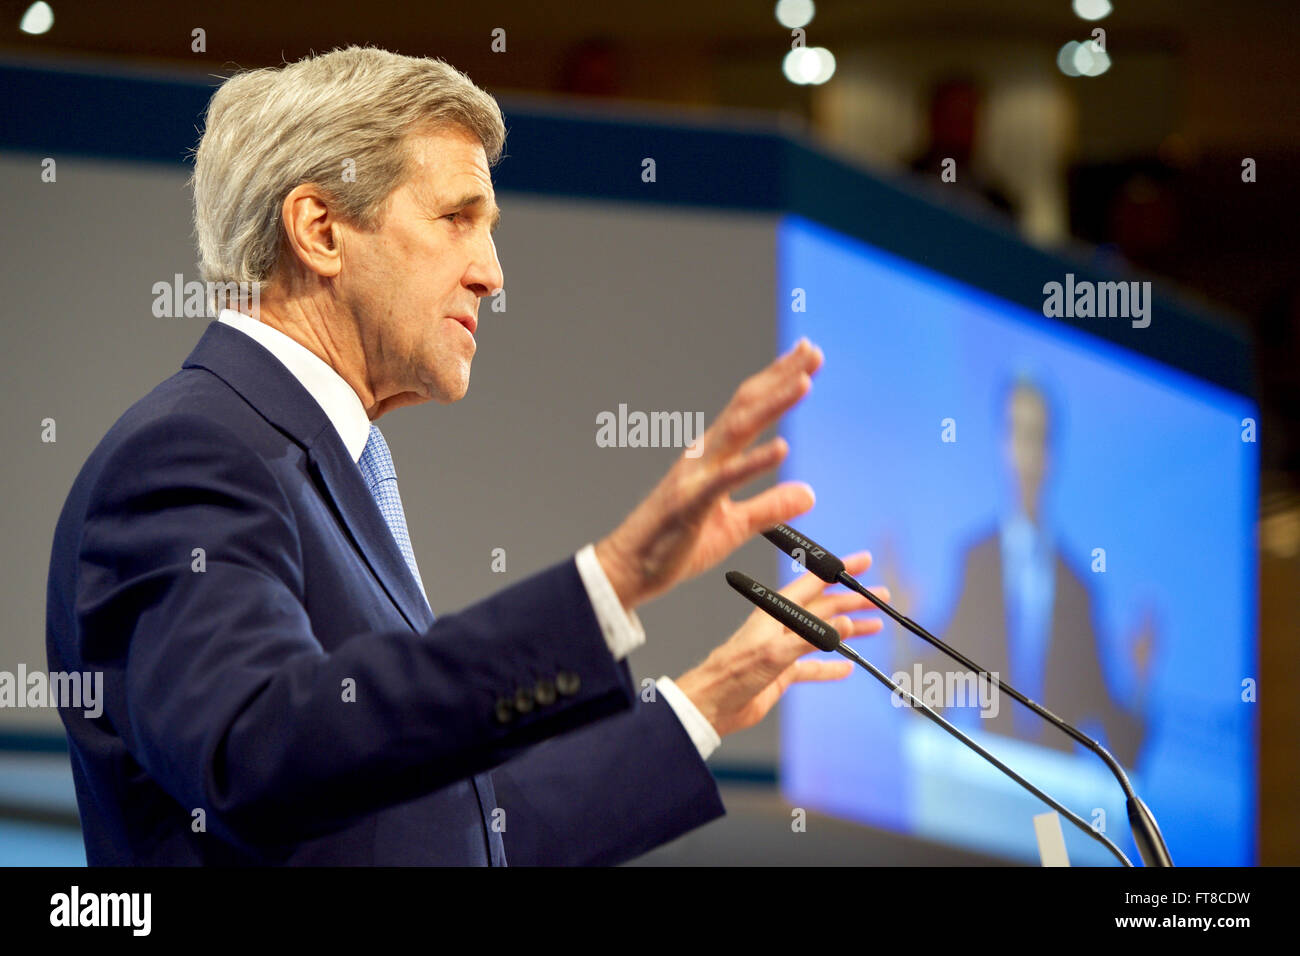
(740,681)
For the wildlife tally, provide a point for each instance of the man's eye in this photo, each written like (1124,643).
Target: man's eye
(453,216)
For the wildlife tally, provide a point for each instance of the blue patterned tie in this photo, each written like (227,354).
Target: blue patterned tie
(377,469)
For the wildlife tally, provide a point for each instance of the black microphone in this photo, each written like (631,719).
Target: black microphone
(823,636)
(1146,832)
(808,626)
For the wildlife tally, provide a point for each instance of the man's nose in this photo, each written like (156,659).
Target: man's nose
(484,276)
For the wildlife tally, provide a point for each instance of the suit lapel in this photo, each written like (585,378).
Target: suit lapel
(271,389)
(339,475)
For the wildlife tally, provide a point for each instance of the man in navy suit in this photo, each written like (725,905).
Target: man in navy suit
(234,558)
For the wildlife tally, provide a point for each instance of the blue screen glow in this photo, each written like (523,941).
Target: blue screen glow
(1061,509)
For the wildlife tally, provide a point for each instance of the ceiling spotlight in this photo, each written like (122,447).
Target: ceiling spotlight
(798,65)
(1092,9)
(825,65)
(809,66)
(1065,58)
(793,14)
(1100,60)
(38,19)
(1082,59)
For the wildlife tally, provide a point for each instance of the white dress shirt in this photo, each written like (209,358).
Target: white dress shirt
(622,629)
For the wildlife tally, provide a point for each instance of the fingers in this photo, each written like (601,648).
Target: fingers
(769,387)
(777,505)
(847,627)
(858,562)
(747,415)
(807,589)
(828,605)
(720,454)
(804,589)
(762,398)
(863,627)
(741,469)
(810,671)
(855,627)
(802,358)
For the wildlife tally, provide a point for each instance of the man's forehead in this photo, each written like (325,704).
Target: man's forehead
(450,150)
(451,173)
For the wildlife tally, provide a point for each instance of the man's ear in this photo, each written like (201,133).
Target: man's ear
(311,229)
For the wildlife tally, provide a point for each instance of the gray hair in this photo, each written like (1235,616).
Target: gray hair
(270,130)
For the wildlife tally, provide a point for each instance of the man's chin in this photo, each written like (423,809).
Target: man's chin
(443,381)
(455,397)
(448,392)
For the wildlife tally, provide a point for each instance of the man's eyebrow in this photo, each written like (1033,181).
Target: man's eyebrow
(477,199)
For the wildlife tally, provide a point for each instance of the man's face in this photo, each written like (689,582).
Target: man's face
(431,259)
(1027,444)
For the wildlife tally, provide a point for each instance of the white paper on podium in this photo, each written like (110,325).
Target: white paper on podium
(1051,841)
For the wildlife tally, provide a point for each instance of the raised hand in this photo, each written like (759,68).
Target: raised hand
(689,522)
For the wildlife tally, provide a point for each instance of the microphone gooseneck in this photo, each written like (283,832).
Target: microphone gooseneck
(814,630)
(825,565)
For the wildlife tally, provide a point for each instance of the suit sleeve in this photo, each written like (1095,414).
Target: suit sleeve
(223,695)
(1124,731)
(606,793)
(963,631)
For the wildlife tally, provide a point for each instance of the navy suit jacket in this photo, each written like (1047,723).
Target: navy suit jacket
(276,690)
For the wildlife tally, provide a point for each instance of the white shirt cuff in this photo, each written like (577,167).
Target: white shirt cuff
(706,739)
(622,629)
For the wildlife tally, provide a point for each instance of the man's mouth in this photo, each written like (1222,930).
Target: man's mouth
(470,323)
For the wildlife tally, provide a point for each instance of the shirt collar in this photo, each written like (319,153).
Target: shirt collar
(334,395)
(1022,539)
